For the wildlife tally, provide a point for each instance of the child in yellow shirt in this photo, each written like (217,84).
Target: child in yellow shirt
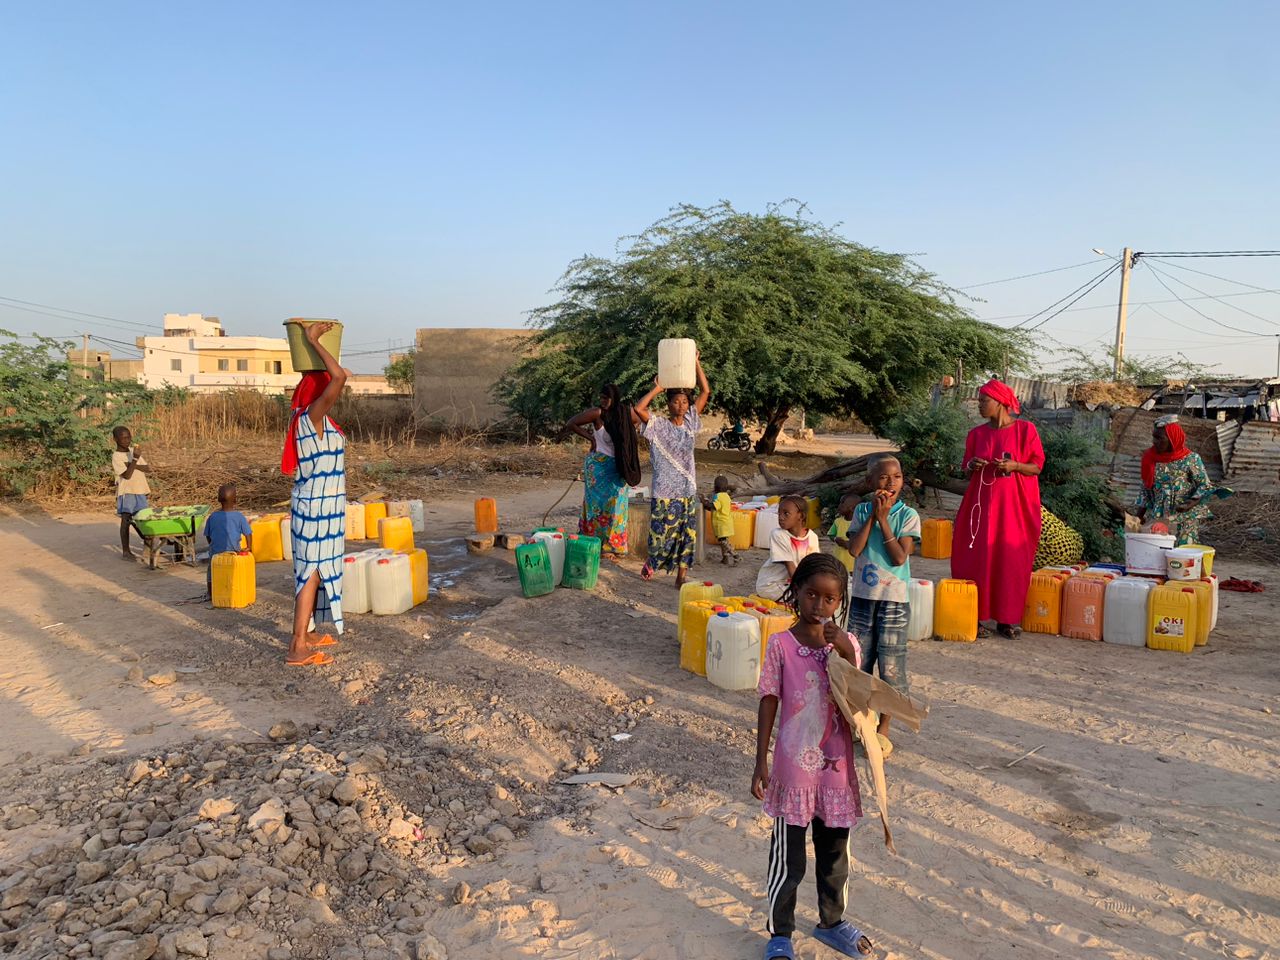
(839,532)
(721,507)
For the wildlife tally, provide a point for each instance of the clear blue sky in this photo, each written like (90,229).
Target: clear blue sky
(400,165)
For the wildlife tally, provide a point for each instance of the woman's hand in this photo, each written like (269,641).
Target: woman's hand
(977,463)
(1008,467)
(760,779)
(314,331)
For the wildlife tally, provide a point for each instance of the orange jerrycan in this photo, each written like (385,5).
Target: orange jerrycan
(1204,607)
(373,512)
(935,539)
(1171,618)
(1043,611)
(486,515)
(955,611)
(395,533)
(693,638)
(744,529)
(1083,602)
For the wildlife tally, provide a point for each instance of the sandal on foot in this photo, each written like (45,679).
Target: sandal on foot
(844,938)
(646,572)
(1010,631)
(779,948)
(325,641)
(315,660)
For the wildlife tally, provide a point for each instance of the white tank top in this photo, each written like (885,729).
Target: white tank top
(604,442)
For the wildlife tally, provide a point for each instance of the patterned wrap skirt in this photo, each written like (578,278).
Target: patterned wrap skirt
(604,505)
(673,534)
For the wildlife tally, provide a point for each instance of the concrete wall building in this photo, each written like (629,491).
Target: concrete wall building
(195,353)
(455,370)
(98,365)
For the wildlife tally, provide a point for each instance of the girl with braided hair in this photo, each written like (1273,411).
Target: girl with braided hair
(612,463)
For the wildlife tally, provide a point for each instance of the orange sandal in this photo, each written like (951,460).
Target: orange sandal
(315,660)
(325,641)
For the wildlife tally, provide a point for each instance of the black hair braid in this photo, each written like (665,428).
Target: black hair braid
(626,446)
(814,565)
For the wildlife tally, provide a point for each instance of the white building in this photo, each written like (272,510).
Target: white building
(196,353)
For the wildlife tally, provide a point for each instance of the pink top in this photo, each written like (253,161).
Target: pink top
(812,773)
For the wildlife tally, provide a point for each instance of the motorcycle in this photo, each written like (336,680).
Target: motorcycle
(730,439)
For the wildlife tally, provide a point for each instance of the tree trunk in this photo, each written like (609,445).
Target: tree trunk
(768,441)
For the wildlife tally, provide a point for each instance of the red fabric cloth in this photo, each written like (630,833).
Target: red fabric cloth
(1178,440)
(998,526)
(305,393)
(1001,394)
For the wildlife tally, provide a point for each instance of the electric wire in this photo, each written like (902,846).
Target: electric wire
(1210,253)
(80,313)
(1256,316)
(1214,276)
(1093,285)
(1024,276)
(1160,279)
(1102,276)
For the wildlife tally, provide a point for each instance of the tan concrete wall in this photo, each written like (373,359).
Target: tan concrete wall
(456,369)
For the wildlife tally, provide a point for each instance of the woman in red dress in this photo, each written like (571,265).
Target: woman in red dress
(998,526)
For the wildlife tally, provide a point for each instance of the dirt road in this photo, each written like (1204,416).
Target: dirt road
(1146,825)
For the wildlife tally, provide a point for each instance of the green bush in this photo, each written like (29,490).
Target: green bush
(55,425)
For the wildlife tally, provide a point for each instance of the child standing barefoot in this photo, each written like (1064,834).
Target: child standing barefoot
(813,780)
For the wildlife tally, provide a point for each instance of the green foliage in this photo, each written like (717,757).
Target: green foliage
(1080,366)
(55,425)
(787,313)
(931,437)
(1074,488)
(400,371)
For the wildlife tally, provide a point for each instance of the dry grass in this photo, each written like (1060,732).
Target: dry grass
(1245,527)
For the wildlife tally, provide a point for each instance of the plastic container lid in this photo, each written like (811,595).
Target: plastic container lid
(244,553)
(724,613)
(719,609)
(708,583)
(348,559)
(384,560)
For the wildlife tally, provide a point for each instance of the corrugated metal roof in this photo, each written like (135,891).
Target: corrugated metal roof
(1227,430)
(1255,461)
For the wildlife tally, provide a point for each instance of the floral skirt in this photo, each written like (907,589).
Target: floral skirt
(604,505)
(673,534)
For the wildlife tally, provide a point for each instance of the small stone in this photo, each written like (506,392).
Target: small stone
(190,942)
(500,834)
(216,808)
(228,901)
(427,947)
(347,791)
(479,542)
(400,829)
(208,868)
(479,845)
(134,675)
(93,846)
(462,892)
(353,866)
(279,953)
(509,541)
(138,770)
(433,831)
(144,948)
(182,889)
(270,813)
(90,871)
(353,687)
(286,731)
(163,678)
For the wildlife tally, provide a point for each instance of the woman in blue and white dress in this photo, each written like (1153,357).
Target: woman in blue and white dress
(314,457)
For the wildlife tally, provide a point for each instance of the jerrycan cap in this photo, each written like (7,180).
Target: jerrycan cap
(708,583)
(723,613)
(719,609)
(348,559)
(245,553)
(557,536)
(384,560)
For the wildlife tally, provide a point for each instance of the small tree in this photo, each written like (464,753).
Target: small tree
(400,371)
(54,423)
(1076,365)
(788,314)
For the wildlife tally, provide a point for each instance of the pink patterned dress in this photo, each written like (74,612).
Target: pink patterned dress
(812,773)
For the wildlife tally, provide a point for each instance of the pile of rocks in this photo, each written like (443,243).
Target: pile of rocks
(264,850)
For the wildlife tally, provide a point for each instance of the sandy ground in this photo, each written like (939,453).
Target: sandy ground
(1146,825)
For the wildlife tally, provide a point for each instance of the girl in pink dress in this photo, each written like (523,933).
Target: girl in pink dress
(813,780)
(998,526)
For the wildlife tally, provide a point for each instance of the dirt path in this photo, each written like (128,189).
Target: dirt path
(1147,825)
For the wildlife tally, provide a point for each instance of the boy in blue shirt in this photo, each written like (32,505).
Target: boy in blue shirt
(883,535)
(224,528)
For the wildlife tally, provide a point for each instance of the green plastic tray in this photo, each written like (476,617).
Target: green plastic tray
(169,521)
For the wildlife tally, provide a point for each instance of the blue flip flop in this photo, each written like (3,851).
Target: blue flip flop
(845,938)
(779,948)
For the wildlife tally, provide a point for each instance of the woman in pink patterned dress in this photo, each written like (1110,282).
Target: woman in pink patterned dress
(813,780)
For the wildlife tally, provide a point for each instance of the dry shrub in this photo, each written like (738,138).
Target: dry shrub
(1245,527)
(1106,393)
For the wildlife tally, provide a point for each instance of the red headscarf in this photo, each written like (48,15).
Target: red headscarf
(305,393)
(1178,443)
(1001,394)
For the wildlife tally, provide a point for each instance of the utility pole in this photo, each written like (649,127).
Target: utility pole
(1122,312)
(86,355)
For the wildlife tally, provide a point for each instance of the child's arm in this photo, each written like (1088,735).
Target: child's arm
(842,640)
(858,540)
(765,716)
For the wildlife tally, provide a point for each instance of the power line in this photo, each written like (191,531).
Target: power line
(1234,339)
(1093,285)
(1024,276)
(78,313)
(1214,276)
(1211,253)
(1160,279)
(1256,316)
(1062,299)
(1138,303)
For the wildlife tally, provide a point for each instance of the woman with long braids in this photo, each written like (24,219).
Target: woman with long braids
(998,526)
(612,464)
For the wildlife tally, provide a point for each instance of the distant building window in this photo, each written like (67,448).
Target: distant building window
(224,364)
(175,365)
(277,367)
(242,366)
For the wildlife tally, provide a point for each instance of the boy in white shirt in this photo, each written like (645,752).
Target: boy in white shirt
(130,471)
(789,544)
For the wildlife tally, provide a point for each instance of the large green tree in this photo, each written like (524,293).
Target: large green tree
(788,314)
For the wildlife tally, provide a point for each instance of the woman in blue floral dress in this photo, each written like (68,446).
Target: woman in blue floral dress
(1175,483)
(673,514)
